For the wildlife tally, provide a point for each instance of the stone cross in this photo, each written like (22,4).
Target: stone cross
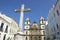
(22,15)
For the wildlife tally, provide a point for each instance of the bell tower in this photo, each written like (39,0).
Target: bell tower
(27,27)
(42,27)
(27,23)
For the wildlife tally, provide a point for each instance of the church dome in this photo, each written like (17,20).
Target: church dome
(34,25)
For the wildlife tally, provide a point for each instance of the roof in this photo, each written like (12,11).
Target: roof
(6,18)
(41,18)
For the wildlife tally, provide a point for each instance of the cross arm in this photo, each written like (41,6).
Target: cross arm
(23,10)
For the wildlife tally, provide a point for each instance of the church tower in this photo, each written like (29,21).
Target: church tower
(26,29)
(27,23)
(42,27)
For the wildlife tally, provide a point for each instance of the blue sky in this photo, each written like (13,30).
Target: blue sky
(38,8)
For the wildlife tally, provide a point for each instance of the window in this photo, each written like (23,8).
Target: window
(35,38)
(28,22)
(6,30)
(57,26)
(44,38)
(54,14)
(43,32)
(54,36)
(26,38)
(54,28)
(26,32)
(42,21)
(27,27)
(31,37)
(1,27)
(57,12)
(58,33)
(4,37)
(39,38)
(43,27)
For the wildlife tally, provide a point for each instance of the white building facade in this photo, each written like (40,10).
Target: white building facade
(8,27)
(54,22)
